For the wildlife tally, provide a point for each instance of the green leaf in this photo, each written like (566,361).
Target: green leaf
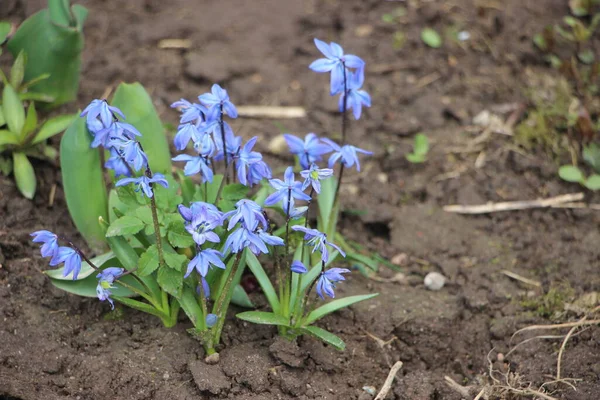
(18,70)
(2,120)
(570,173)
(431,38)
(362,259)
(148,261)
(138,305)
(336,305)
(54,126)
(7,137)
(240,297)
(126,225)
(591,155)
(39,97)
(264,281)
(104,260)
(30,121)
(5,28)
(174,260)
(60,13)
(13,110)
(212,188)
(231,194)
(263,318)
(586,56)
(540,42)
(178,236)
(24,175)
(170,280)
(187,186)
(83,179)
(325,336)
(33,82)
(137,106)
(593,182)
(415,158)
(87,287)
(189,303)
(52,48)
(421,145)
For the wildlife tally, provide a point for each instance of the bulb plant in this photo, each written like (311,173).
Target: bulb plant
(182,240)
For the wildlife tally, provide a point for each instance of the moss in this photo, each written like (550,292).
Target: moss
(550,304)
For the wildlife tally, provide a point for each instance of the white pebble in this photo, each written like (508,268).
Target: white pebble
(434,281)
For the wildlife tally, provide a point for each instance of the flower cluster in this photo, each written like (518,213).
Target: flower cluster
(347,76)
(214,140)
(126,153)
(252,229)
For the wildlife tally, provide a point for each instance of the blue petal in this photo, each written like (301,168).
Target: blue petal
(322,65)
(324,48)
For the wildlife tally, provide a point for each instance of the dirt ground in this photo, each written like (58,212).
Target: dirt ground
(56,346)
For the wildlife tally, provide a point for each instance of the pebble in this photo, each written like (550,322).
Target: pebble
(399,259)
(434,281)
(212,359)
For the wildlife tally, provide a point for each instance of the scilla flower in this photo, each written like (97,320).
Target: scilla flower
(356,97)
(318,241)
(248,213)
(286,191)
(105,280)
(298,267)
(218,96)
(335,62)
(194,165)
(211,320)
(308,150)
(245,159)
(204,260)
(144,183)
(346,154)
(99,109)
(50,240)
(71,258)
(314,175)
(327,281)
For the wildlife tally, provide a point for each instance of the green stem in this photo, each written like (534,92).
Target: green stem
(344,106)
(337,188)
(305,300)
(138,292)
(222,303)
(222,127)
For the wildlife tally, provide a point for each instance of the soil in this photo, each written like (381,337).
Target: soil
(56,346)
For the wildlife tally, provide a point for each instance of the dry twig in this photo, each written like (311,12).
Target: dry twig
(271,112)
(521,278)
(514,205)
(387,385)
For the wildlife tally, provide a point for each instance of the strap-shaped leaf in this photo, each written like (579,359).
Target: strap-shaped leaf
(54,126)
(13,110)
(137,106)
(240,297)
(264,282)
(138,305)
(263,318)
(101,261)
(7,137)
(24,175)
(31,121)
(87,287)
(4,31)
(189,303)
(336,305)
(83,180)
(17,72)
(325,336)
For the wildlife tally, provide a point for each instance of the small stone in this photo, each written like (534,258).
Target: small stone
(434,281)
(166,376)
(500,357)
(382,177)
(279,146)
(212,359)
(399,259)
(363,30)
(370,389)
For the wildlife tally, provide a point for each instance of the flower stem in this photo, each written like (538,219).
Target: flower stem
(344,105)
(222,127)
(222,303)
(339,184)
(310,288)
(287,281)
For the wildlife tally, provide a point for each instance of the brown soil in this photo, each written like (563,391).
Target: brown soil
(54,345)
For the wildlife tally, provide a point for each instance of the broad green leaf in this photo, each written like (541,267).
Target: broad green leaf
(148,261)
(7,137)
(212,188)
(126,225)
(24,175)
(13,109)
(421,144)
(325,336)
(101,261)
(4,31)
(53,48)
(174,260)
(431,38)
(593,182)
(54,126)
(170,280)
(138,305)
(231,194)
(264,281)
(240,297)
(87,287)
(83,179)
(570,173)
(30,121)
(189,303)
(18,70)
(2,120)
(33,82)
(263,318)
(139,110)
(336,305)
(60,13)
(178,236)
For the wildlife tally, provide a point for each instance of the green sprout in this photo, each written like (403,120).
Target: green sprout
(420,149)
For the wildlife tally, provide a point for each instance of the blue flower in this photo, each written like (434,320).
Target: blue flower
(356,98)
(201,229)
(249,213)
(211,320)
(314,175)
(144,183)
(194,165)
(106,278)
(298,267)
(133,154)
(250,167)
(219,96)
(190,112)
(50,240)
(336,62)
(347,154)
(204,260)
(233,143)
(318,240)
(99,109)
(286,191)
(200,209)
(308,151)
(327,281)
(256,242)
(298,212)
(185,132)
(117,164)
(114,134)
(205,288)
(70,257)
